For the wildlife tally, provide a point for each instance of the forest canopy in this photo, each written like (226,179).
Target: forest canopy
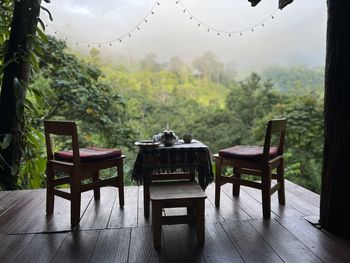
(116,104)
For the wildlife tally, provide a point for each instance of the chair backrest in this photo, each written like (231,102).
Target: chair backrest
(275,126)
(67,128)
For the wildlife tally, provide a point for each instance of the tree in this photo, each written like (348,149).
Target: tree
(209,66)
(149,62)
(178,67)
(14,84)
(251,100)
(77,92)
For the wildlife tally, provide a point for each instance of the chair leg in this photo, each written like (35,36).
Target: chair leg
(200,220)
(236,187)
(146,196)
(280,179)
(266,193)
(121,183)
(156,222)
(217,181)
(50,197)
(75,198)
(97,192)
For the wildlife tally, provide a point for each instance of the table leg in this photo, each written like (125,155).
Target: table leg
(200,220)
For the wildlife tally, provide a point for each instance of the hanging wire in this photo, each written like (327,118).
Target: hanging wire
(119,39)
(220,31)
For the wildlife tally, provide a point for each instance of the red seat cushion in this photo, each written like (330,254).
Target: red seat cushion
(89,154)
(252,153)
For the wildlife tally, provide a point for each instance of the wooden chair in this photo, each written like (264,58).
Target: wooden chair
(257,161)
(77,165)
(179,193)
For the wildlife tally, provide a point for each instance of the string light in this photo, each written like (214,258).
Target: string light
(199,23)
(218,31)
(108,42)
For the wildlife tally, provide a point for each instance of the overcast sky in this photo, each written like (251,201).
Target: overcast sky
(296,35)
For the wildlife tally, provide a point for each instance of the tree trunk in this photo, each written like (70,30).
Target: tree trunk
(335,189)
(23,27)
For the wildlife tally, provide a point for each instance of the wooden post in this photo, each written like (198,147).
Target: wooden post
(335,193)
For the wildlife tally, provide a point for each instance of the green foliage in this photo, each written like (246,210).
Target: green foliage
(296,77)
(116,105)
(304,139)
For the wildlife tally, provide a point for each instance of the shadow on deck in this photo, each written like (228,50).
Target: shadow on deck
(234,233)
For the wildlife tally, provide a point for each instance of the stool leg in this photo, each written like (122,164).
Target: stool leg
(157,224)
(200,220)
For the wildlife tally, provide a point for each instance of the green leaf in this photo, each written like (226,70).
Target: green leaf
(41,23)
(33,60)
(14,169)
(42,35)
(6,141)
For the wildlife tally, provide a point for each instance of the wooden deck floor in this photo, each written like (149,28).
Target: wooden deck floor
(234,233)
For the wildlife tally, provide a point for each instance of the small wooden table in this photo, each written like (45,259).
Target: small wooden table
(177,194)
(191,157)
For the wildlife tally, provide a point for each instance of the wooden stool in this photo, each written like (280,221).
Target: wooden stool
(177,194)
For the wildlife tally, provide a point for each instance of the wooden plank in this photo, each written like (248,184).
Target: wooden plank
(176,191)
(41,248)
(112,246)
(211,212)
(12,245)
(246,202)
(180,244)
(77,247)
(59,220)
(286,245)
(97,214)
(301,205)
(317,241)
(141,220)
(303,193)
(11,198)
(218,246)
(341,240)
(251,246)
(126,216)
(141,247)
(4,193)
(279,210)
(229,210)
(17,218)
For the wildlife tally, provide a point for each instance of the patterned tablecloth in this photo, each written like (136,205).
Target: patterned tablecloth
(180,157)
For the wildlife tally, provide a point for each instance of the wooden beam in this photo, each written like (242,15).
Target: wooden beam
(254,2)
(335,194)
(284,3)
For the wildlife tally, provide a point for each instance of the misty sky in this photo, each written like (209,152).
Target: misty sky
(296,35)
